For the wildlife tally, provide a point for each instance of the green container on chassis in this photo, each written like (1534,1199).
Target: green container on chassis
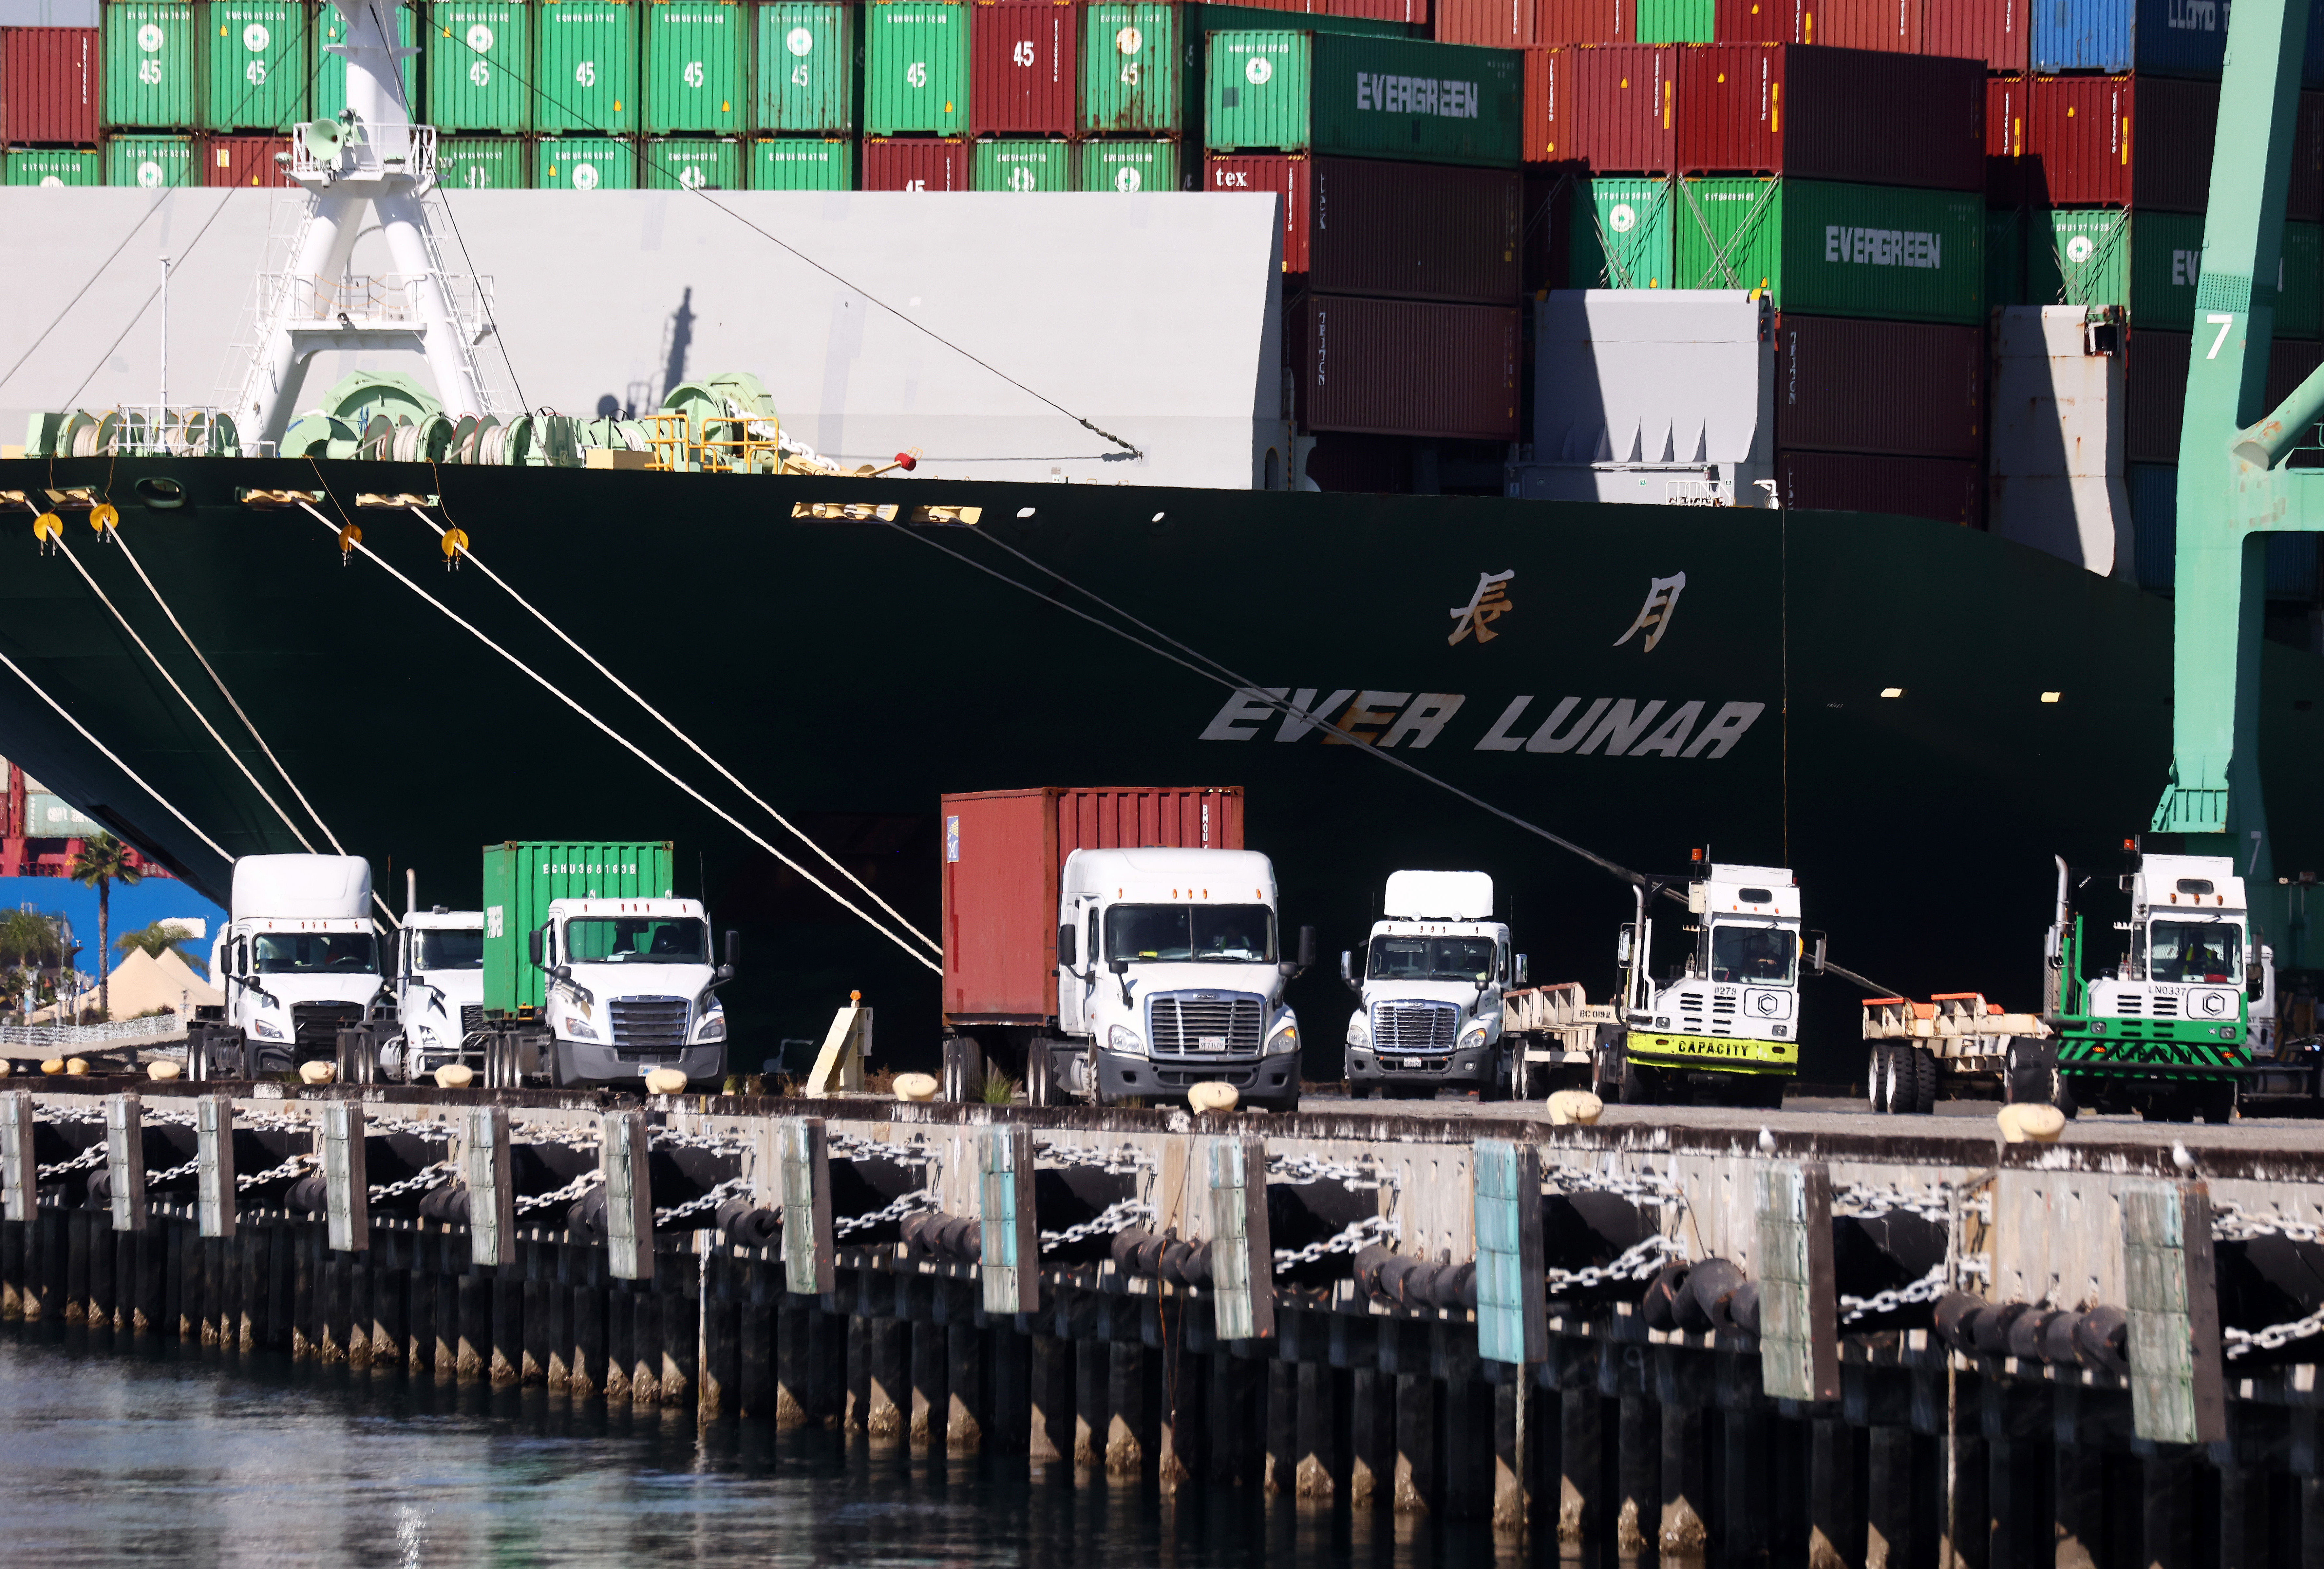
(522,878)
(695,51)
(1129,167)
(256,74)
(695,163)
(154,162)
(2147,263)
(149,60)
(803,163)
(483,163)
(585,67)
(1027,166)
(915,69)
(1683,20)
(330,95)
(809,63)
(479,60)
(1622,235)
(45,166)
(1826,248)
(1131,71)
(1364,97)
(585,163)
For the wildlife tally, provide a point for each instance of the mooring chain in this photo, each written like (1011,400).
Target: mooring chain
(410,1128)
(1117,1217)
(909,1204)
(1864,1202)
(1370,1229)
(156,1178)
(1641,1261)
(1296,1170)
(2231,1222)
(1647,1187)
(425,1176)
(671,1138)
(294,1167)
(577,1188)
(2241,1343)
(92,1156)
(1121,1160)
(711,1200)
(1927,1288)
(538,1133)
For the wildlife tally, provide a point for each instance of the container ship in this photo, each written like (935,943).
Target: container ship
(1798,525)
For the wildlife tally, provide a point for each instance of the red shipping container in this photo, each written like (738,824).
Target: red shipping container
(2005,139)
(1415,231)
(1284,173)
(1910,388)
(1993,31)
(2143,141)
(1832,114)
(1497,23)
(914,163)
(1585,22)
(1409,367)
(1021,64)
(1002,853)
(244,161)
(1893,25)
(48,87)
(1414,12)
(1612,107)
(1947,490)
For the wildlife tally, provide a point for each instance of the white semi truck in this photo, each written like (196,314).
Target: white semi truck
(1725,1014)
(1430,979)
(298,963)
(440,994)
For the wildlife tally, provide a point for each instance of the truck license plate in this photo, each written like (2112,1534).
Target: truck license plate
(1211,1042)
(1415,1062)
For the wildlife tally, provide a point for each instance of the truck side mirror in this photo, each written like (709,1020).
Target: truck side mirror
(1622,947)
(1348,971)
(733,950)
(1523,971)
(1068,946)
(1119,967)
(532,944)
(1819,940)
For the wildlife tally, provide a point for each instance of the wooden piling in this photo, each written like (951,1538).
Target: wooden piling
(303,1346)
(1371,1437)
(1092,1375)
(1184,1410)
(1747,1440)
(1415,1443)
(473,1328)
(645,1345)
(1465,1441)
(1325,1392)
(506,1286)
(1009,1398)
(589,1356)
(2170,1510)
(756,1355)
(533,1367)
(257,1253)
(98,1313)
(78,1225)
(794,1370)
(965,1396)
(620,1330)
(1835,1534)
(153,1250)
(1130,1435)
(1280,1474)
(718,1384)
(826,1379)
(930,1400)
(1638,1461)
(681,1330)
(1684,1533)
(856,1412)
(1050,1382)
(12,1271)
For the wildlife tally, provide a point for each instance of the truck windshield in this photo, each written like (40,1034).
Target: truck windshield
(313,953)
(447,950)
(1753,955)
(1201,932)
(2194,950)
(1469,959)
(637,940)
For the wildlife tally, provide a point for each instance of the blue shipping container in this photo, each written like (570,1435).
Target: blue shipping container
(2155,527)
(2169,37)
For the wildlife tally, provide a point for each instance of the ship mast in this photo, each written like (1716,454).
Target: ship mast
(371,159)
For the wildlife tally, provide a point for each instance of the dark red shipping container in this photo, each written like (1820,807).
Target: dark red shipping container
(244,160)
(1002,853)
(1612,107)
(1414,12)
(914,163)
(1910,388)
(48,87)
(2005,139)
(1284,173)
(2119,141)
(1496,23)
(1893,25)
(1832,114)
(1946,489)
(1409,367)
(1415,231)
(1585,20)
(1993,31)
(2304,200)
(1022,67)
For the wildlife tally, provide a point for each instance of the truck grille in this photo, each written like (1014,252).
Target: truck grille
(314,1026)
(649,1023)
(472,1019)
(1197,1024)
(1412,1027)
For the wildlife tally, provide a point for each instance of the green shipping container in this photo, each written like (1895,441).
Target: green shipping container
(695,163)
(1622,235)
(39,166)
(256,76)
(585,69)
(331,69)
(694,66)
(1680,21)
(915,69)
(479,59)
(1130,71)
(1832,249)
(1026,166)
(522,879)
(1129,166)
(803,163)
(808,63)
(149,55)
(2148,262)
(154,162)
(2300,296)
(585,163)
(483,163)
(2005,257)
(1365,98)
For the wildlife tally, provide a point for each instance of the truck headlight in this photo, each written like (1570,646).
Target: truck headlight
(1284,1040)
(1121,1038)
(1472,1038)
(265,1031)
(713,1028)
(580,1029)
(1360,1030)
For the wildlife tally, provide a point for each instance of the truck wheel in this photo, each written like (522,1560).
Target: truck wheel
(1638,1086)
(1875,1075)
(1925,1081)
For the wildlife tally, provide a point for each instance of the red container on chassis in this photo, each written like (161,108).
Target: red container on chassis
(1894,25)
(2119,141)
(1613,108)
(1022,65)
(1414,231)
(48,87)
(914,163)
(1993,31)
(1285,174)
(1408,367)
(244,160)
(1948,490)
(1909,388)
(1003,851)
(1814,113)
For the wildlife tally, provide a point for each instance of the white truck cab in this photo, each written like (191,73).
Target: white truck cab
(631,988)
(439,992)
(1169,973)
(2189,957)
(1432,977)
(1729,1009)
(298,959)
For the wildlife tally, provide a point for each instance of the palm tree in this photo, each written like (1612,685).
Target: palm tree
(160,938)
(29,939)
(102,861)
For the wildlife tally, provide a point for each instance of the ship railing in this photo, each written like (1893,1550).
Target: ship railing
(732,443)
(368,153)
(162,1026)
(364,297)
